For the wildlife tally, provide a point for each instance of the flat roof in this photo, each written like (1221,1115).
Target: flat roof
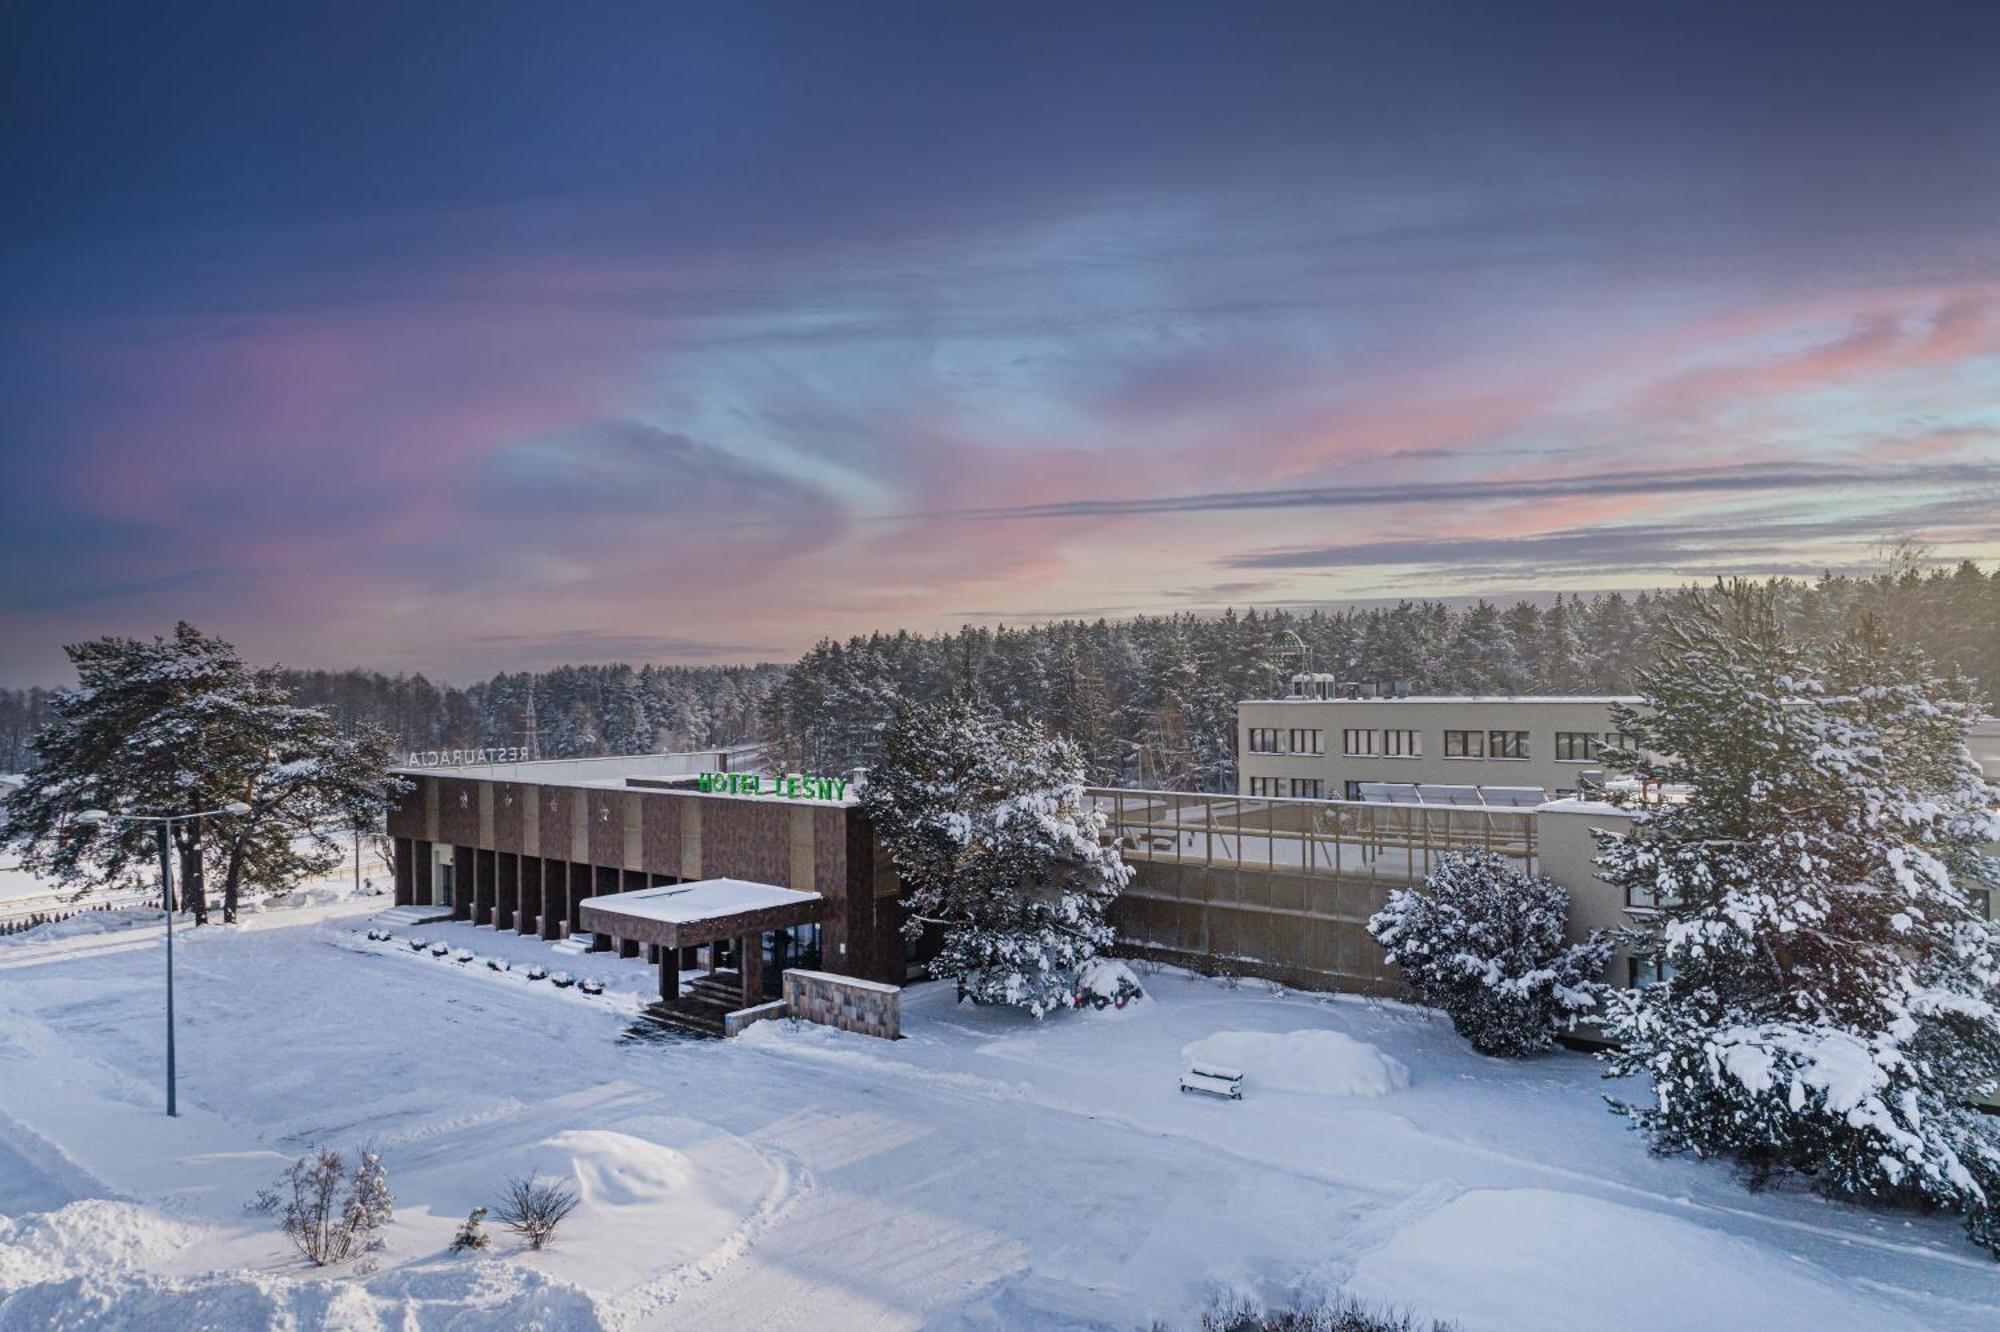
(704,899)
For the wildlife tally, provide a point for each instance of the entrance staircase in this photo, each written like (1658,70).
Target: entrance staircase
(702,1005)
(404,917)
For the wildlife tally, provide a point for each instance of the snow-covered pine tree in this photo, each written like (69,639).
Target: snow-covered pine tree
(1484,942)
(1830,1007)
(986,823)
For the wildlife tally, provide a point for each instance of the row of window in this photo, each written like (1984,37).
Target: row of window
(1362,742)
(1298,788)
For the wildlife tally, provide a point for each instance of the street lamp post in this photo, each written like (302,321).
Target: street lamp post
(165,823)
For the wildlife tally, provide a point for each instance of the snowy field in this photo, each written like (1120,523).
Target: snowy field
(985,1172)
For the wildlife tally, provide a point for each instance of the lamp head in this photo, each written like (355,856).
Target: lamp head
(236,807)
(93,817)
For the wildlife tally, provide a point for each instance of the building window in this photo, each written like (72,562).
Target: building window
(1465,744)
(1576,746)
(1507,744)
(1264,740)
(1353,791)
(1263,786)
(1360,743)
(1644,971)
(1305,788)
(1306,742)
(1403,744)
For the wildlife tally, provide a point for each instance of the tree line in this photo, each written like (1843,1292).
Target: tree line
(1151,701)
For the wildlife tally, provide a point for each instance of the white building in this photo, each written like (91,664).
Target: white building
(1328,741)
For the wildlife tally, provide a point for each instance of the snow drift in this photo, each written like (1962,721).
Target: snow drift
(1323,1063)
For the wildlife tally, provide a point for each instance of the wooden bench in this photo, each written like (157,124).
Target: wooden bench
(1213,1080)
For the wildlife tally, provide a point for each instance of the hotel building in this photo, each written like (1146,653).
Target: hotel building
(1326,742)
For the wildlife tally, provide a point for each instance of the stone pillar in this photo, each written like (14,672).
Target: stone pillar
(670,974)
(633,881)
(506,890)
(752,948)
(420,867)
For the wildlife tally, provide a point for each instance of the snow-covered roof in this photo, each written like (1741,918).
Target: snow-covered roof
(704,899)
(1603,699)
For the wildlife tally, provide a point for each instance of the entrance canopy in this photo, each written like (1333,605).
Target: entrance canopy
(685,915)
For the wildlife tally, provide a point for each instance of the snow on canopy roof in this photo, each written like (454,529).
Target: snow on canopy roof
(704,899)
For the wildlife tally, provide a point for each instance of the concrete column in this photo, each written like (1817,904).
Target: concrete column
(670,974)
(633,880)
(752,946)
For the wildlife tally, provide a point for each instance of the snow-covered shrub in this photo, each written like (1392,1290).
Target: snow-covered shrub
(590,985)
(562,980)
(462,955)
(1830,1007)
(534,1205)
(329,1213)
(440,949)
(498,964)
(998,852)
(1483,941)
(472,1234)
(1339,1315)
(538,972)
(418,945)
(1105,982)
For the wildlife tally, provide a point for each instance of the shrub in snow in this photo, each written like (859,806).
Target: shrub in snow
(498,964)
(1340,1315)
(462,955)
(1483,941)
(997,850)
(538,972)
(534,1205)
(418,945)
(562,980)
(471,1234)
(329,1212)
(1105,982)
(590,986)
(440,949)
(1830,1006)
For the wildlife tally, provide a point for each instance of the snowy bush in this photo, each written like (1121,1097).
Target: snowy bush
(1483,941)
(538,972)
(472,1234)
(329,1213)
(498,964)
(534,1205)
(999,854)
(590,985)
(462,955)
(562,980)
(418,945)
(1830,1005)
(1339,1315)
(1105,982)
(440,949)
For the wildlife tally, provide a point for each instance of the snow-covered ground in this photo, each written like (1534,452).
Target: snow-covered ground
(985,1172)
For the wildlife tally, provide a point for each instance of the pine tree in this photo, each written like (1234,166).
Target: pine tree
(997,850)
(1830,1004)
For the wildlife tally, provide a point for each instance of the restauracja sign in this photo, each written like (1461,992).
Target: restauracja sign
(454,758)
(793,787)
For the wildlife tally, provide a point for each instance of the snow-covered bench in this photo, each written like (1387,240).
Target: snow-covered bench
(1214,1080)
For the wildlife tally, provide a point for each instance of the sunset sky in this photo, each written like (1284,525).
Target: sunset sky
(488,337)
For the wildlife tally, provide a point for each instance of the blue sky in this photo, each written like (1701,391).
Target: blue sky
(468,338)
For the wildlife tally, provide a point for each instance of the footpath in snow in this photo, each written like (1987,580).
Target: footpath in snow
(985,1172)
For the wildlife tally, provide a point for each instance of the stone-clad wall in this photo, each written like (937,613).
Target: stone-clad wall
(846,1002)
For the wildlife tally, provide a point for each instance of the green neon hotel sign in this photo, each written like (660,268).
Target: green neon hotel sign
(794,787)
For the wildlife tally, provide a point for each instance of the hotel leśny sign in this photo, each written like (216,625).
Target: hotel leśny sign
(794,786)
